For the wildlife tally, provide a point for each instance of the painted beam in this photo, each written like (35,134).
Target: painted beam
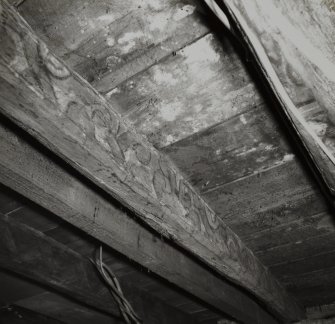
(25,168)
(61,110)
(291,44)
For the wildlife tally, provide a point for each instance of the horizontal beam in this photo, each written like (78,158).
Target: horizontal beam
(38,92)
(33,255)
(42,179)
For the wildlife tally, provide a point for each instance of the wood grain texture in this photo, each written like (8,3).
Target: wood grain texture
(32,254)
(298,250)
(65,310)
(322,311)
(271,197)
(60,109)
(303,227)
(106,42)
(39,178)
(318,321)
(304,59)
(246,144)
(322,282)
(125,270)
(122,267)
(201,85)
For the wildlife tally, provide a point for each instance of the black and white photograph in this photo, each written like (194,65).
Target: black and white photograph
(167,161)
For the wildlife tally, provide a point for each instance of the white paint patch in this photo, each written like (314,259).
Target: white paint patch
(170,112)
(169,139)
(128,40)
(199,57)
(243,120)
(87,25)
(159,21)
(183,12)
(288,157)
(112,60)
(155,4)
(112,92)
(268,147)
(107,19)
(202,50)
(163,77)
(110,41)
(245,152)
(299,41)
(197,108)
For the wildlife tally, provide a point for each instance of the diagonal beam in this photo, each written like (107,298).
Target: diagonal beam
(291,47)
(38,92)
(37,176)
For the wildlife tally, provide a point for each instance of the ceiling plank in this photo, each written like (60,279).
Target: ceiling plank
(304,227)
(30,172)
(168,102)
(33,255)
(107,41)
(273,197)
(68,116)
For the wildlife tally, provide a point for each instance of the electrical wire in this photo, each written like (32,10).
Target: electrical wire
(126,310)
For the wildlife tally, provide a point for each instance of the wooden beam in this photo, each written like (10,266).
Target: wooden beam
(18,315)
(291,46)
(62,111)
(35,256)
(32,254)
(35,175)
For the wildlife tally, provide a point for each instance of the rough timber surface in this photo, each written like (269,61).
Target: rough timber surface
(289,203)
(70,118)
(108,41)
(305,58)
(39,178)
